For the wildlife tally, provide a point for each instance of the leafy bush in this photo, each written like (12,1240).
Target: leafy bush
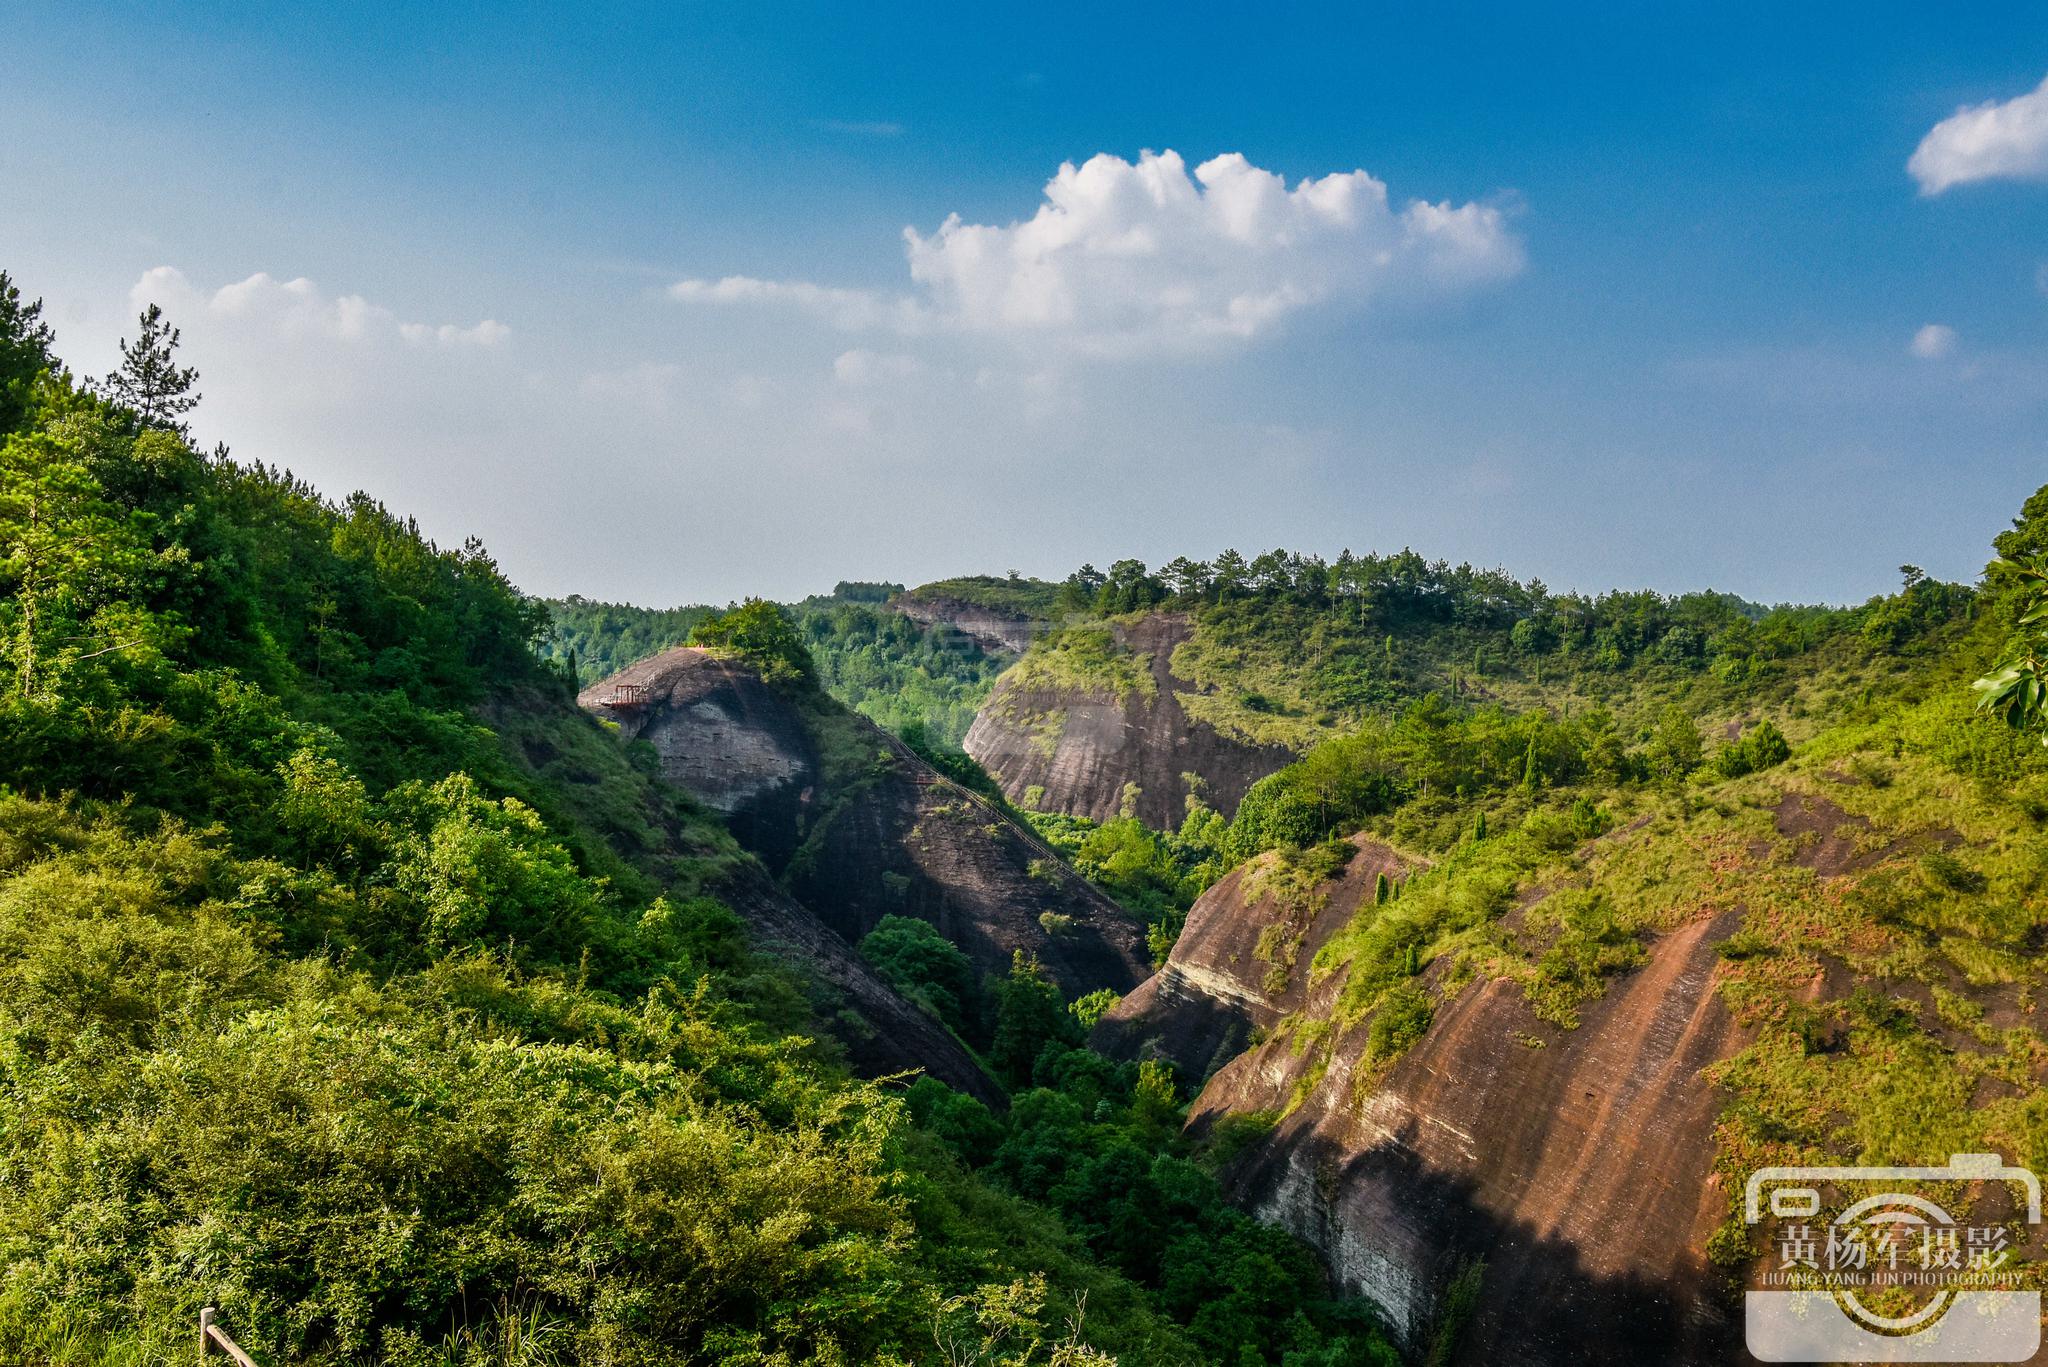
(1763,746)
(927,968)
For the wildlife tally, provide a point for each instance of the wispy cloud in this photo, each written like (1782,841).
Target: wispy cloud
(843,308)
(1988,141)
(1934,341)
(865,128)
(300,308)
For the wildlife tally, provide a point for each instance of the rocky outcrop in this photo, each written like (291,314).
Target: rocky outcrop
(871,831)
(1575,1165)
(617,806)
(1074,749)
(995,631)
(724,737)
(1241,963)
(882,1034)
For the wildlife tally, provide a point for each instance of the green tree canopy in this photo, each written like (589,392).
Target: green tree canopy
(762,634)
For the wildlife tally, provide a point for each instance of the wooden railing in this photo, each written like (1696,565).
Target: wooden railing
(627,697)
(214,1339)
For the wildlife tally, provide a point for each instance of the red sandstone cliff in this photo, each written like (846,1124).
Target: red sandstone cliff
(1081,746)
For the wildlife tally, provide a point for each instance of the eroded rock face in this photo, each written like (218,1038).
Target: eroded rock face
(894,838)
(1576,1164)
(916,844)
(1082,747)
(724,737)
(882,1034)
(1242,961)
(995,632)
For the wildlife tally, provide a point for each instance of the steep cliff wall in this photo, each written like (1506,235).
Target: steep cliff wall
(725,738)
(646,824)
(1586,1167)
(1576,1165)
(1242,961)
(994,630)
(882,1033)
(1082,740)
(858,827)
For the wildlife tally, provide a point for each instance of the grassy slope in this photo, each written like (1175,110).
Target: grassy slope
(1030,598)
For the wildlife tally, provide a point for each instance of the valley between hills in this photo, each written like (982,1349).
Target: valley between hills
(1256,960)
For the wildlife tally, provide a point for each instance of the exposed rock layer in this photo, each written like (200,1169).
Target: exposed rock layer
(1242,961)
(1575,1164)
(882,1033)
(890,836)
(994,631)
(1082,746)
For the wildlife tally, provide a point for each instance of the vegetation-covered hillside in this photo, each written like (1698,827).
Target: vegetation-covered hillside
(1411,684)
(1291,649)
(354,981)
(1862,869)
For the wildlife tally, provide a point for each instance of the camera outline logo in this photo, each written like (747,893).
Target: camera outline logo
(1822,1274)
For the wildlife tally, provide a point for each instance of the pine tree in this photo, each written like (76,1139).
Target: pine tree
(1029,1015)
(25,342)
(150,381)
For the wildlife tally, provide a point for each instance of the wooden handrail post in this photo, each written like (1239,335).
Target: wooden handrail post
(214,1339)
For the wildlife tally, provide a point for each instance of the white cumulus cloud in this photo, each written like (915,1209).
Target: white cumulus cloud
(1986,141)
(1124,257)
(1934,341)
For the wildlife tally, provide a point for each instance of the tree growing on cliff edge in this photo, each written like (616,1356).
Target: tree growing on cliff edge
(761,634)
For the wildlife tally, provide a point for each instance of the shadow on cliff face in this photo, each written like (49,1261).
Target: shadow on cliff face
(1578,1164)
(1389,1224)
(1164,1019)
(872,833)
(1241,964)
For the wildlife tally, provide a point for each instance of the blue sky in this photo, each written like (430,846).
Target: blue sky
(1668,323)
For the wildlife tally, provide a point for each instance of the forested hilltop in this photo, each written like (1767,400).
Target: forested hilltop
(353,980)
